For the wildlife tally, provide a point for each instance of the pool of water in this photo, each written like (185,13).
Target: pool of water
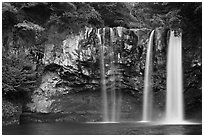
(101,129)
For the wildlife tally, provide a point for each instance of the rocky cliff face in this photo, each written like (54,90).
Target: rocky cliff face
(81,48)
(74,66)
(41,98)
(87,39)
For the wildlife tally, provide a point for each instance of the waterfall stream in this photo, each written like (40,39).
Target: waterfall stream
(147,97)
(174,97)
(103,79)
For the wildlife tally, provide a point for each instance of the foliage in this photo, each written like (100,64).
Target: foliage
(10,112)
(29,26)
(9,109)
(18,78)
(115,13)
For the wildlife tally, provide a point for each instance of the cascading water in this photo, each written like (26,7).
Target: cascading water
(174,97)
(103,80)
(113,94)
(147,97)
(111,112)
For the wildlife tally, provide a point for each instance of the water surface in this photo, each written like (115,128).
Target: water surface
(100,129)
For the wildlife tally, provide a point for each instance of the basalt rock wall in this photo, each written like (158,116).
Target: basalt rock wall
(74,66)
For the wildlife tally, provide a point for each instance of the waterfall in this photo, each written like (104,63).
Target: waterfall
(113,94)
(174,97)
(111,101)
(111,112)
(147,97)
(103,79)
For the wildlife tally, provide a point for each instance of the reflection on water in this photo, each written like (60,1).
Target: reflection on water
(100,129)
